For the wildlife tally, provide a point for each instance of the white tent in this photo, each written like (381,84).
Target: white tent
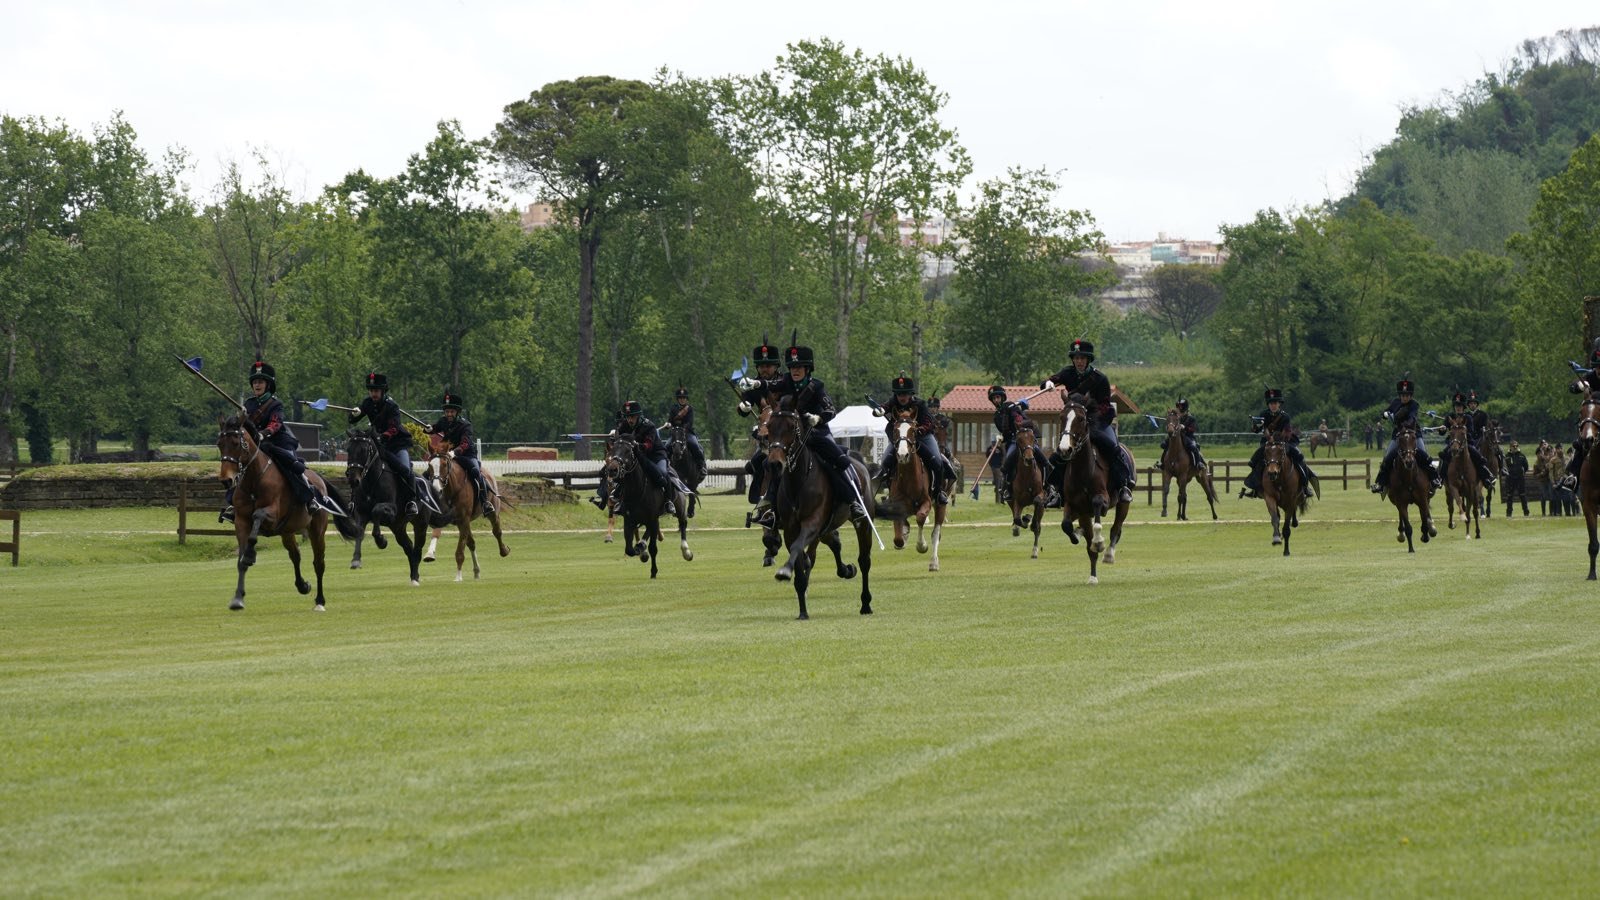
(859,422)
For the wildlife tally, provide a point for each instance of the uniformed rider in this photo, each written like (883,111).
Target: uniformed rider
(905,402)
(1460,415)
(394,442)
(264,411)
(815,408)
(1188,428)
(461,446)
(753,394)
(682,416)
(1274,422)
(1081,377)
(1403,412)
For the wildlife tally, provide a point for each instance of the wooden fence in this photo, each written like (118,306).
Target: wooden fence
(1224,472)
(183,519)
(15,546)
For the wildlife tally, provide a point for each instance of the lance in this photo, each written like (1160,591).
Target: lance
(321,403)
(224,394)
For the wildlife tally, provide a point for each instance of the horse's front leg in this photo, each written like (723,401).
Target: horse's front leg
(247,537)
(1166,484)
(466,543)
(1272,511)
(840,567)
(803,537)
(1038,517)
(922,540)
(683,529)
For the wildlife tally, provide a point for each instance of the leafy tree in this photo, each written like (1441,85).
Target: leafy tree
(1021,280)
(248,223)
(1182,296)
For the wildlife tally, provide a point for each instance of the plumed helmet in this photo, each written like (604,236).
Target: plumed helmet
(1405,386)
(1183,405)
(633,408)
(377,381)
(1472,397)
(1082,348)
(933,402)
(904,385)
(996,390)
(682,393)
(766,353)
(264,370)
(1459,399)
(1274,394)
(452,401)
(798,356)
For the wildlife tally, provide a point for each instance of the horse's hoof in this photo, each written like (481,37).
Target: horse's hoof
(1400,539)
(1035,553)
(1110,558)
(319,608)
(429,558)
(933,566)
(801,618)
(1093,579)
(1590,578)
(416,583)
(866,610)
(1276,541)
(458,578)
(608,538)
(304,587)
(505,552)
(355,563)
(783,574)
(1016,530)
(847,571)
(922,548)
(766,561)
(236,605)
(688,555)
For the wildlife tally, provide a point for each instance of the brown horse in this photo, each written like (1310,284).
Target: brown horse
(1462,491)
(770,542)
(1325,437)
(806,509)
(643,504)
(911,490)
(941,436)
(1280,488)
(1494,459)
(1409,485)
(263,504)
(1177,466)
(1027,489)
(1589,471)
(1084,488)
(459,498)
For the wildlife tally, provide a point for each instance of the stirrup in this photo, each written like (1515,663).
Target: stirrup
(412,510)
(599,504)
(858,512)
(226,514)
(1125,495)
(1377,486)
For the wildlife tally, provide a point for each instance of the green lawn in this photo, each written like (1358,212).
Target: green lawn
(1211,719)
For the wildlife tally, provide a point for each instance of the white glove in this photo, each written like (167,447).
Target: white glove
(451,454)
(745,407)
(878,413)
(812,419)
(746,384)
(613,433)
(1049,385)
(1387,414)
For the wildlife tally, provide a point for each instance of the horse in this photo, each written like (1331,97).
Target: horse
(1461,483)
(808,512)
(264,504)
(1084,487)
(459,498)
(1589,471)
(770,542)
(376,497)
(682,462)
(1027,489)
(1280,488)
(1176,465)
(1409,484)
(1325,437)
(643,503)
(1495,459)
(911,490)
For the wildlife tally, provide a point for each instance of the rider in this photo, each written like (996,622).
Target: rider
(1081,377)
(1403,411)
(394,442)
(264,411)
(1009,419)
(457,434)
(905,400)
(651,453)
(942,423)
(1588,382)
(1274,421)
(682,414)
(1459,415)
(1187,428)
(1477,419)
(815,408)
(753,392)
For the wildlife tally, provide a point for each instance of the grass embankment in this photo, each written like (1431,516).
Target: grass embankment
(1212,718)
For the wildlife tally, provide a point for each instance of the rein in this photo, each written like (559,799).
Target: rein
(243,465)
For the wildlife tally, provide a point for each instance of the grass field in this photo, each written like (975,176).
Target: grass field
(1211,719)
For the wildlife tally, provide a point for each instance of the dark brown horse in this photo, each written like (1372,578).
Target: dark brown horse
(263,504)
(1462,491)
(643,504)
(375,497)
(1494,459)
(808,512)
(1084,488)
(1177,466)
(911,490)
(1027,489)
(459,498)
(1409,485)
(1589,472)
(682,462)
(771,543)
(1280,488)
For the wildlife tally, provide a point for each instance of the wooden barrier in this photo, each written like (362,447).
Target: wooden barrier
(16,533)
(1224,472)
(183,520)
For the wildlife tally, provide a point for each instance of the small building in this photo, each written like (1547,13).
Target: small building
(969,409)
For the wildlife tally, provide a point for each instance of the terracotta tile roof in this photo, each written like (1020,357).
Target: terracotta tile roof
(974,398)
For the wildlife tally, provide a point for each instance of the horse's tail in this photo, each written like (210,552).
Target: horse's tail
(349,527)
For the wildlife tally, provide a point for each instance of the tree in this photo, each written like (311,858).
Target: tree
(249,224)
(855,143)
(576,142)
(1183,296)
(1256,319)
(1021,277)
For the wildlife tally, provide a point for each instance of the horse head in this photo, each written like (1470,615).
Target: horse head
(237,446)
(1074,426)
(904,434)
(1589,421)
(786,434)
(1025,441)
(361,451)
(1274,455)
(1457,441)
(1174,425)
(621,457)
(1406,447)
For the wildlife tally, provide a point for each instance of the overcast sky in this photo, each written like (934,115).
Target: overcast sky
(1167,117)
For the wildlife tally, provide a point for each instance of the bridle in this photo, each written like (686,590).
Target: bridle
(236,436)
(363,465)
(791,449)
(1406,447)
(1588,424)
(1273,455)
(623,457)
(903,427)
(1074,438)
(1025,448)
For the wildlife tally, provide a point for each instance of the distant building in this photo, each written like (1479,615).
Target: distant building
(1135,260)
(538,215)
(969,408)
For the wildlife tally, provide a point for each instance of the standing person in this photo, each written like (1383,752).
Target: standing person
(815,408)
(394,442)
(1081,377)
(264,411)
(682,415)
(1274,421)
(1404,412)
(457,435)
(1190,431)
(1516,485)
(905,400)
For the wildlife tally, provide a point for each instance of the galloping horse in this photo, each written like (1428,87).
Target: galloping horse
(1409,485)
(941,436)
(1084,487)
(1176,465)
(459,498)
(376,498)
(1495,459)
(1280,488)
(911,490)
(682,461)
(1027,489)
(1461,483)
(1589,472)
(643,504)
(806,509)
(263,504)
(770,542)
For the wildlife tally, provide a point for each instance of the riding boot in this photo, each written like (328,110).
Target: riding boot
(1252,485)
(1381,484)
(226,515)
(485,497)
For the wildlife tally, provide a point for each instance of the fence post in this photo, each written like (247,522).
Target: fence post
(16,533)
(183,511)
